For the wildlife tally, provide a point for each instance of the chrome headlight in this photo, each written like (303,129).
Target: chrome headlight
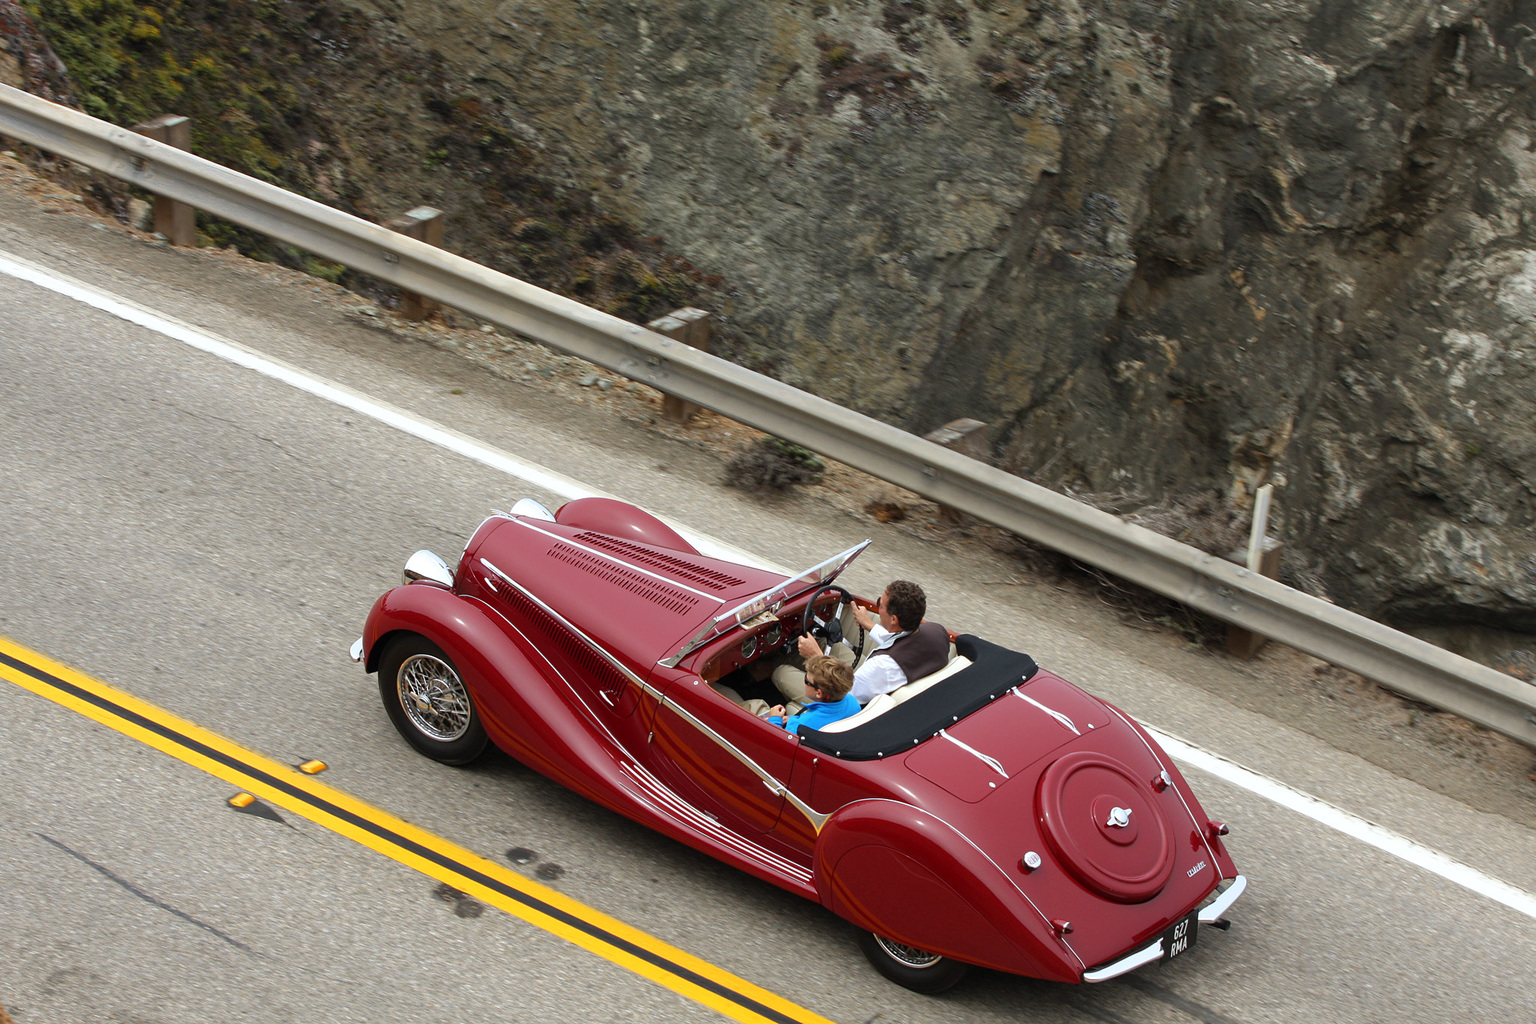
(424,565)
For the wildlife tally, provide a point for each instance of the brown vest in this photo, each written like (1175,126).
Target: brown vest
(923,651)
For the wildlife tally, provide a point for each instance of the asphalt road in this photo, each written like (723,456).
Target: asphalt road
(209,540)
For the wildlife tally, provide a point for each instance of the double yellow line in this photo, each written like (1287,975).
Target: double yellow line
(431,855)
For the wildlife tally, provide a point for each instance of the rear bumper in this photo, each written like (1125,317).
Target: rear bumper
(1149,954)
(356,651)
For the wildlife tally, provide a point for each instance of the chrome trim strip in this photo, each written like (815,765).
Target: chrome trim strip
(555,672)
(1223,903)
(990,762)
(1126,964)
(617,561)
(1063,719)
(1200,827)
(596,648)
(705,824)
(817,820)
(356,651)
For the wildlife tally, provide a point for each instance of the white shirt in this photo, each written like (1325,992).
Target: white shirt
(878,675)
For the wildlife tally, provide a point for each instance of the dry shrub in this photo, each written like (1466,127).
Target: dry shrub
(772,465)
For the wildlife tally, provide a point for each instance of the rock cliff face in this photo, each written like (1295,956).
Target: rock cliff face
(1165,248)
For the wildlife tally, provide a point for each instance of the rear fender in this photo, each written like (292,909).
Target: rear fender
(903,873)
(520,706)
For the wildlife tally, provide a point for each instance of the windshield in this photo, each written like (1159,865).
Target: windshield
(817,575)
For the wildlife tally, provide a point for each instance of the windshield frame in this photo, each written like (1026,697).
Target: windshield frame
(775,597)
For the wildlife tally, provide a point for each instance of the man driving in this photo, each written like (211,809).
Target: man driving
(901,646)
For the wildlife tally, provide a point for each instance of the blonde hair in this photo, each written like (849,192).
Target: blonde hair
(830,676)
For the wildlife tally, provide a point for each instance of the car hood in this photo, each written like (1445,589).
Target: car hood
(638,601)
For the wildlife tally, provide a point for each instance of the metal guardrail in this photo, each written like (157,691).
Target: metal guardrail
(1229,592)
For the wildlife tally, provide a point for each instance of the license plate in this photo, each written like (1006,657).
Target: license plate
(1180,938)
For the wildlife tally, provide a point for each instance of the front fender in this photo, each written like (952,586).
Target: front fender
(906,874)
(520,704)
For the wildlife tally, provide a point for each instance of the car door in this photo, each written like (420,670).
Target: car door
(720,759)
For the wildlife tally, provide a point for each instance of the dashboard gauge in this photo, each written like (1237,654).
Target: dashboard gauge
(749,647)
(774,635)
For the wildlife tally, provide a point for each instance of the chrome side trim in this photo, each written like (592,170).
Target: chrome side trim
(1158,755)
(990,762)
(555,672)
(1223,903)
(1063,719)
(692,816)
(596,647)
(816,819)
(1126,964)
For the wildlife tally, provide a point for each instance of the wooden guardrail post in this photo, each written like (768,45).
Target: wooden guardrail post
(691,327)
(1245,643)
(966,436)
(425,224)
(969,438)
(174,219)
(1261,556)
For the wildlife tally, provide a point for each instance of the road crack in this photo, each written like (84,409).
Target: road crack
(108,874)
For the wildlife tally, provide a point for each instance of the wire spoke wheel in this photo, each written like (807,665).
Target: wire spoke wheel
(428,701)
(909,966)
(434,697)
(909,955)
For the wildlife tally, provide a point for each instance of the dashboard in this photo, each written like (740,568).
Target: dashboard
(764,637)
(773,632)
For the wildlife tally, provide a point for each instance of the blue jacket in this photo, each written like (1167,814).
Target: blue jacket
(819,714)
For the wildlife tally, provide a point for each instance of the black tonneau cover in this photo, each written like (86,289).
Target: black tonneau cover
(993,672)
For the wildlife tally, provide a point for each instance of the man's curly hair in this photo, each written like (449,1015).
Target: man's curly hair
(906,600)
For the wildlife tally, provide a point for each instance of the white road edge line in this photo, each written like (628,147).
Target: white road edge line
(339,394)
(1350,824)
(1229,771)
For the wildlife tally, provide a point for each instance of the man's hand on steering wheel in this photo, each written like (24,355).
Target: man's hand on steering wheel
(830,629)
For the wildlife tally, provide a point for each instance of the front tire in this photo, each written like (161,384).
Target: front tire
(428,702)
(910,967)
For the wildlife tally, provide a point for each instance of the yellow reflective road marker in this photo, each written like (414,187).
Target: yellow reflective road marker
(265,779)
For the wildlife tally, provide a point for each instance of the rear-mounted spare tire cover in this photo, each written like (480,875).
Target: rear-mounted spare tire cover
(1106,827)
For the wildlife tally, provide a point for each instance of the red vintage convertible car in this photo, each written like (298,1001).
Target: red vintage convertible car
(993,814)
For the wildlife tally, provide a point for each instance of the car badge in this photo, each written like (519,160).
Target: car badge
(1120,817)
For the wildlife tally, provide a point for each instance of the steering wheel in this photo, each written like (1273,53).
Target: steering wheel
(829,630)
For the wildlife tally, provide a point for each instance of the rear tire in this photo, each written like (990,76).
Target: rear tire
(428,702)
(909,967)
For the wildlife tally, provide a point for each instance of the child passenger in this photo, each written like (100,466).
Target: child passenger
(827,697)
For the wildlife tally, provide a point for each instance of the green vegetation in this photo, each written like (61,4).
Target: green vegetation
(263,85)
(134,61)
